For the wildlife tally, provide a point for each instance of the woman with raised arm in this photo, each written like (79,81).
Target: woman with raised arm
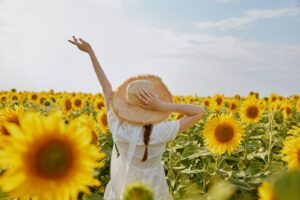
(137,113)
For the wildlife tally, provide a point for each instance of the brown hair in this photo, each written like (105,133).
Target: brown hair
(147,133)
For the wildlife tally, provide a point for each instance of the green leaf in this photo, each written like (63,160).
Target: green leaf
(242,185)
(194,171)
(196,154)
(241,165)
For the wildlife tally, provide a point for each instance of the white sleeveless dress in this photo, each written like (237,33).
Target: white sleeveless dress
(128,167)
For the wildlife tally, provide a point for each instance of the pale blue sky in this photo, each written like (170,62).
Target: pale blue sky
(197,47)
(182,16)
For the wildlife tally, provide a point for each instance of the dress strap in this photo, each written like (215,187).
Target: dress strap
(132,145)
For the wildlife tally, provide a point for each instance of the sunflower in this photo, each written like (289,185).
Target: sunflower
(222,133)
(102,120)
(206,102)
(233,105)
(189,99)
(237,97)
(14,96)
(66,105)
(138,191)
(295,97)
(273,98)
(254,94)
(42,98)
(217,101)
(274,106)
(33,97)
(77,102)
(291,152)
(251,110)
(88,121)
(48,159)
(266,191)
(98,104)
(176,99)
(286,109)
(3,98)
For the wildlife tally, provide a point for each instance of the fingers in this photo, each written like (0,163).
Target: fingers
(148,93)
(81,40)
(76,42)
(142,96)
(72,42)
(75,39)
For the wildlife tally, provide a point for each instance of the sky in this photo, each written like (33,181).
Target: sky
(196,47)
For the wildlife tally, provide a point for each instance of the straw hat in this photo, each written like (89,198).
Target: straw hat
(126,104)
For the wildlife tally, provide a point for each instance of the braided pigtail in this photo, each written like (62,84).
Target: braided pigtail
(147,133)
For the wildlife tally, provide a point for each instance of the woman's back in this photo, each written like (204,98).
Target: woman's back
(129,140)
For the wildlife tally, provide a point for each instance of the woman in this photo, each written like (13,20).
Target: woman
(136,111)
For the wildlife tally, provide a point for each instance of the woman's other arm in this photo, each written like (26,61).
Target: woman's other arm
(104,82)
(193,112)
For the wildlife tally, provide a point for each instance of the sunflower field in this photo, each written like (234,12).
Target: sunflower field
(57,145)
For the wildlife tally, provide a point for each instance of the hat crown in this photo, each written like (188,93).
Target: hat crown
(134,87)
(127,94)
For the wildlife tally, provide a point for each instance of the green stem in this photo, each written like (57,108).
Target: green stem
(217,160)
(270,136)
(245,139)
(170,161)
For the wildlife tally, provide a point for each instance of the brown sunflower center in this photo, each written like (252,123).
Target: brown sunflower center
(68,104)
(288,110)
(34,97)
(42,99)
(104,119)
(206,103)
(100,105)
(233,106)
(224,132)
(252,112)
(3,99)
(14,98)
(219,100)
(78,102)
(53,159)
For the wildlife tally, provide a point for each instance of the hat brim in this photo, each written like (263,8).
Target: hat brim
(137,114)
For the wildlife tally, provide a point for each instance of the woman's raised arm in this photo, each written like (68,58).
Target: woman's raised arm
(104,82)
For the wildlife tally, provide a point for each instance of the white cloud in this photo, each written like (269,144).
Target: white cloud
(249,17)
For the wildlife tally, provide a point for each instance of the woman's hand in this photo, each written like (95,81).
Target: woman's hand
(83,46)
(150,100)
